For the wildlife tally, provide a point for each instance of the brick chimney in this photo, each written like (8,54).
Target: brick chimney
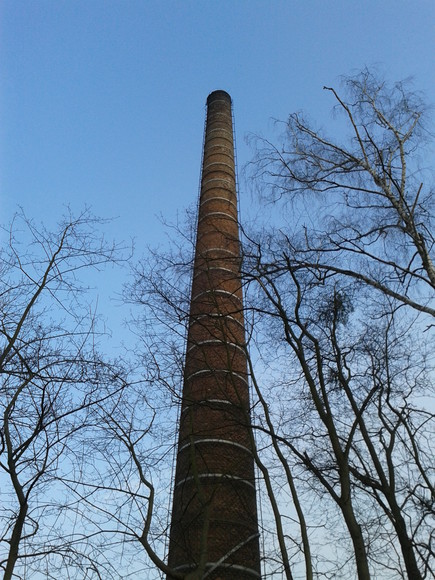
(214,528)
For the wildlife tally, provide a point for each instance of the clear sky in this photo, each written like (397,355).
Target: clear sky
(102,101)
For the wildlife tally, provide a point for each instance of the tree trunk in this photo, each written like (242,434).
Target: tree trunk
(357,541)
(405,545)
(15,541)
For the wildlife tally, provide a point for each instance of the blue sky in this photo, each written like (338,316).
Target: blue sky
(102,101)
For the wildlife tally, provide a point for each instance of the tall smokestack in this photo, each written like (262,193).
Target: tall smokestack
(214,529)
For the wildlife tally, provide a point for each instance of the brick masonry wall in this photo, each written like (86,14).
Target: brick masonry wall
(214,504)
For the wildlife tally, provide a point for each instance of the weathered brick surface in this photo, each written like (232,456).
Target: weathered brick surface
(214,418)
(221,385)
(214,501)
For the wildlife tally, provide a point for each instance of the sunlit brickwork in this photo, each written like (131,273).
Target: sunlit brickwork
(214,517)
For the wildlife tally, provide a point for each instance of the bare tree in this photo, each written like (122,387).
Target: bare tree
(360,431)
(365,201)
(53,378)
(348,286)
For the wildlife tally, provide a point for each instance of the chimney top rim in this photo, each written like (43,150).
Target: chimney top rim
(219,94)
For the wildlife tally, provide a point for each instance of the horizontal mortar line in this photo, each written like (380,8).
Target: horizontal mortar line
(224,172)
(213,101)
(216,111)
(209,171)
(220,198)
(221,111)
(211,129)
(225,114)
(216,291)
(212,141)
(213,371)
(203,253)
(212,440)
(197,317)
(220,213)
(220,98)
(209,268)
(227,185)
(228,137)
(193,405)
(200,343)
(219,149)
(204,402)
(225,131)
(215,150)
(207,165)
(218,185)
(215,476)
(223,565)
(220,119)
(209,180)
(226,178)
